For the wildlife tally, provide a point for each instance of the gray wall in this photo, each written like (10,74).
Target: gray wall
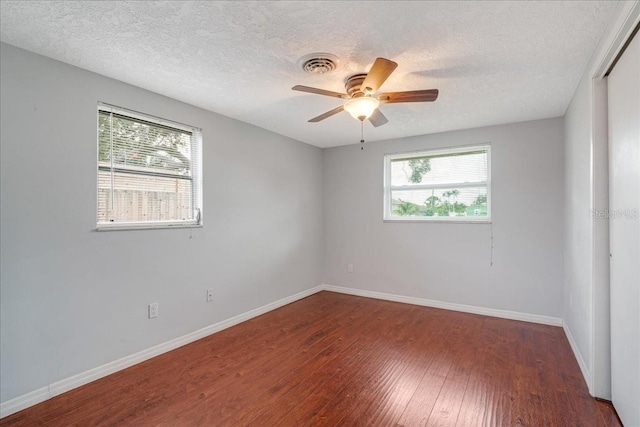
(73,299)
(451,262)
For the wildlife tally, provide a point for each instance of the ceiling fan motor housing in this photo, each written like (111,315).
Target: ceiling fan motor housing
(353,85)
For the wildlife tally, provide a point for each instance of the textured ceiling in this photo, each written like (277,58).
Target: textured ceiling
(493,62)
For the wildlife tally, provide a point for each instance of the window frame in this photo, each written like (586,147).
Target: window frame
(196,171)
(388,215)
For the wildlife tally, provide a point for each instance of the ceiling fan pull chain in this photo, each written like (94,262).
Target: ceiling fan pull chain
(361,134)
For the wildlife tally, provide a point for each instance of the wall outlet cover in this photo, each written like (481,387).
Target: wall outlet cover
(153,310)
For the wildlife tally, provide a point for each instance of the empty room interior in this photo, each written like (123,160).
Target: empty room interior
(288,213)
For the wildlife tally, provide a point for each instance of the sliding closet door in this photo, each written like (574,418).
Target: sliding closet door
(624,223)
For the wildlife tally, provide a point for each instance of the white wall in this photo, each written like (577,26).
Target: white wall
(72,298)
(578,232)
(451,262)
(586,244)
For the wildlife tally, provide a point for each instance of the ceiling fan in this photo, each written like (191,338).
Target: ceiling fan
(360,88)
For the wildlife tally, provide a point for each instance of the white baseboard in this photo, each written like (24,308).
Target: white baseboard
(576,352)
(40,395)
(26,400)
(504,314)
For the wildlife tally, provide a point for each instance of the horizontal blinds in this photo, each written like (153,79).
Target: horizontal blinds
(457,168)
(147,171)
(128,142)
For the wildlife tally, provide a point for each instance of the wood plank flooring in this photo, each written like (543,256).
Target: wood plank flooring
(340,360)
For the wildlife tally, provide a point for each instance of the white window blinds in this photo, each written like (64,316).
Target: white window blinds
(148,171)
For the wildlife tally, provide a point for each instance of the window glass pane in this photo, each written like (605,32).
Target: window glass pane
(440,202)
(143,198)
(440,169)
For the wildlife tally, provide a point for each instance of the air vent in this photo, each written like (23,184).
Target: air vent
(319,63)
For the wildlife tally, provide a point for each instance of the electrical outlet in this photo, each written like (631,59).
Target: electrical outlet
(209,295)
(349,268)
(153,310)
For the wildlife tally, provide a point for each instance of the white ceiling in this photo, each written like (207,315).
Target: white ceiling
(493,62)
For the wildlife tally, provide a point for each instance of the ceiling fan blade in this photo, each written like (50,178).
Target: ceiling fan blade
(320,91)
(380,71)
(428,95)
(377,118)
(327,114)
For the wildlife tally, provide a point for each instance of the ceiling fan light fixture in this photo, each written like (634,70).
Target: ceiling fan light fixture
(361,108)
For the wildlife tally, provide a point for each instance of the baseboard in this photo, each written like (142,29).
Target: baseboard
(504,314)
(22,402)
(40,395)
(576,352)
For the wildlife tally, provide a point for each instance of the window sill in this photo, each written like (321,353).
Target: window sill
(439,221)
(124,227)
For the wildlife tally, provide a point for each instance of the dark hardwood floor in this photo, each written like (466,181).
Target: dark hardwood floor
(333,359)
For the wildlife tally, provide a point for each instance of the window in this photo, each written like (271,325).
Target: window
(148,171)
(439,185)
